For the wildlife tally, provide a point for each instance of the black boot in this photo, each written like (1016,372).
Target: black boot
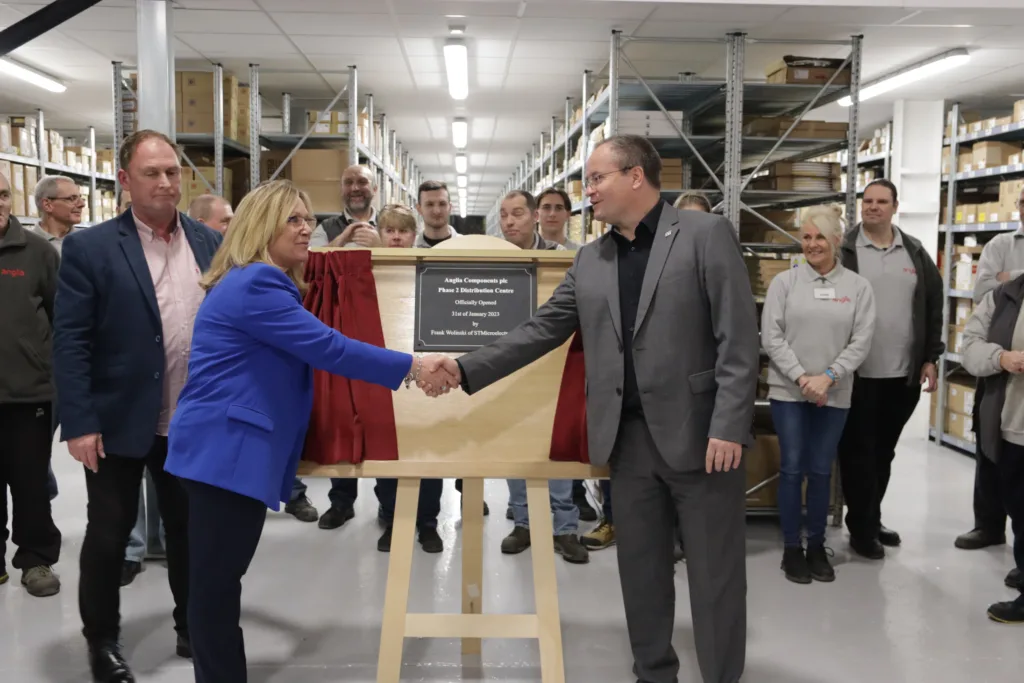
(818,564)
(794,564)
(108,665)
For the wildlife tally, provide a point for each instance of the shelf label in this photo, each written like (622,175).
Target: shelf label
(461,307)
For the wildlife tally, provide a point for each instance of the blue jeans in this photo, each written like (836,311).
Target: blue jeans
(147,519)
(808,439)
(566,516)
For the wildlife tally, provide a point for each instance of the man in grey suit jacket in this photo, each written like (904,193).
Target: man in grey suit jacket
(671,344)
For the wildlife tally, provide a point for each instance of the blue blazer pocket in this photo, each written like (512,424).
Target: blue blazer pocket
(703,382)
(251,417)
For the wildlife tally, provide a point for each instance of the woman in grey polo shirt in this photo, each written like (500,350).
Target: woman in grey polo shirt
(816,329)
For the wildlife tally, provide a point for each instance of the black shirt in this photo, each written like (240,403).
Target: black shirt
(633,257)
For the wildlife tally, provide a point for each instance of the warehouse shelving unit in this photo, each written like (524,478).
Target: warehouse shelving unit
(389,178)
(716,109)
(948,233)
(709,135)
(46,167)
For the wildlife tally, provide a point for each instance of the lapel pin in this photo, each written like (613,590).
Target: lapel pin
(668,234)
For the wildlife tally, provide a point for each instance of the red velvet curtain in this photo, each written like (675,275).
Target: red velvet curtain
(352,421)
(569,436)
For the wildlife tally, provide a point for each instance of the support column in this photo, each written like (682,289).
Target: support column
(733,180)
(155,41)
(286,113)
(218,129)
(612,126)
(853,143)
(917,131)
(353,117)
(255,122)
(554,144)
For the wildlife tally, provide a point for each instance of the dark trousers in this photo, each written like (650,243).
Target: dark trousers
(711,507)
(1011,480)
(429,506)
(25,441)
(808,436)
(606,503)
(113,508)
(989,510)
(224,531)
(879,410)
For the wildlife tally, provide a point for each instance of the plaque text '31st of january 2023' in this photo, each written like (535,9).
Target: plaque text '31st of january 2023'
(461,307)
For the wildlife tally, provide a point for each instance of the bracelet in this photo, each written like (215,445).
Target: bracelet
(414,372)
(831,374)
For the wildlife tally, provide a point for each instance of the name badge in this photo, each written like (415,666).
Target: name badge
(825,293)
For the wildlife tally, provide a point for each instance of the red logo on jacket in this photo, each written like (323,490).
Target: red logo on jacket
(842,300)
(910,271)
(11,272)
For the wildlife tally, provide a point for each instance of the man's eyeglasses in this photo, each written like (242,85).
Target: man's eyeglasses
(73,198)
(596,178)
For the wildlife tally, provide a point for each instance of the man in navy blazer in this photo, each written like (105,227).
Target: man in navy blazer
(127,295)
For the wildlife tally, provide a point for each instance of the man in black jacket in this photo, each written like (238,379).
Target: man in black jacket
(906,346)
(28,283)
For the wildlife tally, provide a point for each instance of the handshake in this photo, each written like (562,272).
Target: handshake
(435,374)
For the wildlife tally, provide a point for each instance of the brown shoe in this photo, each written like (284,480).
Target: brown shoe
(516,542)
(601,537)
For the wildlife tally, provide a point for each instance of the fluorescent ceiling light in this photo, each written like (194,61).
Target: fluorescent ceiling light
(911,74)
(463,181)
(462,212)
(463,192)
(460,133)
(456,61)
(29,75)
(457,29)
(461,163)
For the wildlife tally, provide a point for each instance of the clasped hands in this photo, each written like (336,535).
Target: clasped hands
(438,375)
(815,388)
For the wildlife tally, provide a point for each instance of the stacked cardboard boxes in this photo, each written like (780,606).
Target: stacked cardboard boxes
(957,421)
(328,122)
(807,71)
(776,126)
(192,185)
(318,173)
(671,174)
(763,271)
(801,176)
(194,97)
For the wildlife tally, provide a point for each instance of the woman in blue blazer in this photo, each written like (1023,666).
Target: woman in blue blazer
(238,431)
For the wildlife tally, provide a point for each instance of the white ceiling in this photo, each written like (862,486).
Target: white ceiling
(525,58)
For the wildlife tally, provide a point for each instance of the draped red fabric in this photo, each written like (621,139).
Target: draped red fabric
(352,420)
(569,435)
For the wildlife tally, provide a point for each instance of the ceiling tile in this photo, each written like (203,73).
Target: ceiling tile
(716,13)
(436,26)
(564,50)
(576,28)
(481,128)
(234,45)
(220,4)
(337,25)
(120,44)
(102,18)
(470,8)
(191,21)
(327,6)
(329,45)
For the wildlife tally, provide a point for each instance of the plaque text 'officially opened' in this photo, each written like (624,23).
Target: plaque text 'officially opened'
(461,307)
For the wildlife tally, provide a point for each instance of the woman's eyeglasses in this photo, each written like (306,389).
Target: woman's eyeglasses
(297,221)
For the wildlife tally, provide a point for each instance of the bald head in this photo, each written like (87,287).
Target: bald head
(212,210)
(358,190)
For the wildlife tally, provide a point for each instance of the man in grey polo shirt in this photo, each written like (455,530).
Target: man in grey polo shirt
(60,209)
(907,344)
(1002,260)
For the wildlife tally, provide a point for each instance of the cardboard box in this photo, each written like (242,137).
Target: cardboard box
(965,160)
(959,425)
(778,125)
(964,273)
(1018,111)
(964,308)
(325,196)
(960,396)
(955,340)
(321,122)
(797,184)
(807,70)
(5,169)
(319,165)
(18,204)
(31,179)
(991,154)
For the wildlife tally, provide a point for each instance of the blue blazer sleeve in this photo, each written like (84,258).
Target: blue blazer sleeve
(73,322)
(271,312)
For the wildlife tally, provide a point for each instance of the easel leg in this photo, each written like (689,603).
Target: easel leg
(472,555)
(545,584)
(396,599)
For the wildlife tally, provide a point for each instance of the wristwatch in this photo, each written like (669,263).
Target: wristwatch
(831,374)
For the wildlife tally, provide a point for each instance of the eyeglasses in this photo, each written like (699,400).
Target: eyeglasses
(73,198)
(297,221)
(596,179)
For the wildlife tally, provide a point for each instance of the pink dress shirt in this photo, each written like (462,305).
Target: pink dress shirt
(176,275)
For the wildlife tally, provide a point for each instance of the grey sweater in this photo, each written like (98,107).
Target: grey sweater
(981,358)
(811,323)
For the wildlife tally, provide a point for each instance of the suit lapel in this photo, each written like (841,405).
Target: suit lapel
(131,245)
(609,258)
(664,236)
(197,242)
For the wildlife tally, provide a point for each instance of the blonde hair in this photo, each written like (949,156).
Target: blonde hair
(693,199)
(396,216)
(261,217)
(829,222)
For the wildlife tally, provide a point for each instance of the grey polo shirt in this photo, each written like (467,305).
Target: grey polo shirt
(811,323)
(893,278)
(56,242)
(1003,254)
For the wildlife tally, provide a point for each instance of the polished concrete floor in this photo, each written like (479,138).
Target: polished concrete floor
(313,599)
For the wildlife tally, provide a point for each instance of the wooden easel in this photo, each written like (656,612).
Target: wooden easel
(502,433)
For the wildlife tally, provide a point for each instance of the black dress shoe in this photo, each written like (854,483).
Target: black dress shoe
(976,539)
(108,665)
(871,548)
(888,537)
(587,512)
(129,570)
(336,516)
(384,542)
(1008,612)
(1014,580)
(430,540)
(183,648)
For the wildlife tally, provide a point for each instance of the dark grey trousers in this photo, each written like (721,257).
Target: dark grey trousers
(711,510)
